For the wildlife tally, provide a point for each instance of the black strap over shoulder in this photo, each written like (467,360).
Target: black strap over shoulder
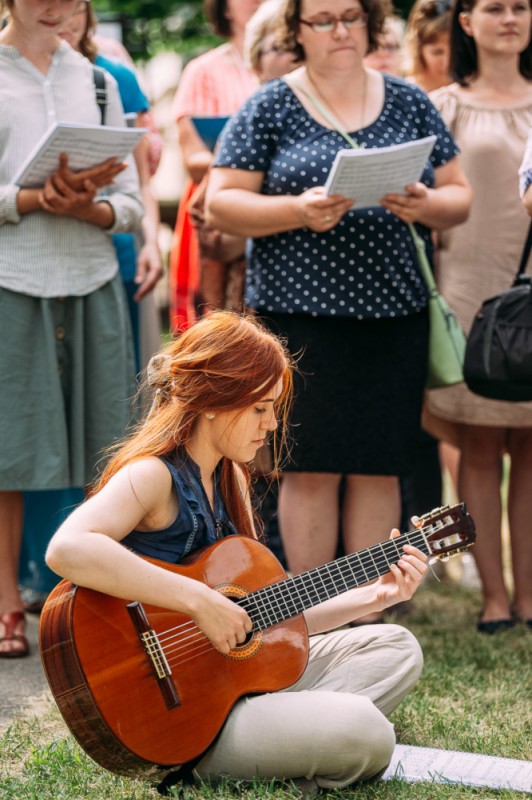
(100,89)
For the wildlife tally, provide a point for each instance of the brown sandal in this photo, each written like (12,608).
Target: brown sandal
(10,622)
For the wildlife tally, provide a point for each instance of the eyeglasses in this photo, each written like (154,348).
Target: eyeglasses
(357,19)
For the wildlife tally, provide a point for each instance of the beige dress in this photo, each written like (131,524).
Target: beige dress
(479,259)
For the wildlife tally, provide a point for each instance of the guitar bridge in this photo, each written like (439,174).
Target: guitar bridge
(155,653)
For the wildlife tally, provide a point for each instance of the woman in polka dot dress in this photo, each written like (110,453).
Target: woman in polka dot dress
(343,286)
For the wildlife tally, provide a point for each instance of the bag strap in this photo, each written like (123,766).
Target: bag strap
(100,90)
(418,241)
(525,254)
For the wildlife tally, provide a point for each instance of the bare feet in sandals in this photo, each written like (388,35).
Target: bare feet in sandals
(13,642)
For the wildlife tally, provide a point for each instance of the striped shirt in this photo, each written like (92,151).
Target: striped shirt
(214,84)
(41,254)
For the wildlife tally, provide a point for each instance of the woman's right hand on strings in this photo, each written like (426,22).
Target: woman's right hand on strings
(321,212)
(222,621)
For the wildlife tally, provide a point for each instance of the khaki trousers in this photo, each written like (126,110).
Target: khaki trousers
(331,725)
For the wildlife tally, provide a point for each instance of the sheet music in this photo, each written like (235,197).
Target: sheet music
(85,145)
(431,765)
(367,174)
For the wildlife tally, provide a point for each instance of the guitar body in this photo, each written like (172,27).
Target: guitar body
(107,688)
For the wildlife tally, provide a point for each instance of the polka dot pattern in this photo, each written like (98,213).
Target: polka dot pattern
(366,266)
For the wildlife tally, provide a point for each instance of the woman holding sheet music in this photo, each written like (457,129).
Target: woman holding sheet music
(65,343)
(341,285)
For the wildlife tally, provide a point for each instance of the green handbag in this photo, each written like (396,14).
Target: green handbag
(447,340)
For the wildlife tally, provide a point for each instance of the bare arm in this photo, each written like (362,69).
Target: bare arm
(527,200)
(445,205)
(149,262)
(87,551)
(197,157)
(234,204)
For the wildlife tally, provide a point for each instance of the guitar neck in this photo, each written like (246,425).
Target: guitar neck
(286,599)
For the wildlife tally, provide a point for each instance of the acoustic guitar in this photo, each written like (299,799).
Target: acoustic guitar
(141,687)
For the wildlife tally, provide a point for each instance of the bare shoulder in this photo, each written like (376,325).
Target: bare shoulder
(150,480)
(129,500)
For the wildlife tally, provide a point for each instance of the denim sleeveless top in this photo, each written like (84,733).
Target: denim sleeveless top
(195,525)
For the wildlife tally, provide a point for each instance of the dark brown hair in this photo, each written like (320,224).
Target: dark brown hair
(464,60)
(427,21)
(216,13)
(377,11)
(86,45)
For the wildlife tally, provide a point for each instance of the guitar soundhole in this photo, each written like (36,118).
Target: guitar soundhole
(253,640)
(246,641)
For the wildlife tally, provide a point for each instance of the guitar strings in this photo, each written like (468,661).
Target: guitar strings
(283,592)
(193,644)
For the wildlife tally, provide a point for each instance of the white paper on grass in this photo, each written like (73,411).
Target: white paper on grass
(85,145)
(367,174)
(414,764)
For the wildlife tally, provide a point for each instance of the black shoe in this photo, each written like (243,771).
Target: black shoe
(495,625)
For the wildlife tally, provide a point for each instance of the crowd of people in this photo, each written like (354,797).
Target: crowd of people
(301,331)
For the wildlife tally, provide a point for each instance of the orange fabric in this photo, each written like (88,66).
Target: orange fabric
(184,267)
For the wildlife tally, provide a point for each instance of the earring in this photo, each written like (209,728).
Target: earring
(210,415)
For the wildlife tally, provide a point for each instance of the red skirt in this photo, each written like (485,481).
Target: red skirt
(184,267)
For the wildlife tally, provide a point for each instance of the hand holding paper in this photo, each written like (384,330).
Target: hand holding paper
(409,206)
(58,198)
(100,176)
(321,212)
(367,175)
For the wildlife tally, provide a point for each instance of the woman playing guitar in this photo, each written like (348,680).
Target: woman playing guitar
(180,482)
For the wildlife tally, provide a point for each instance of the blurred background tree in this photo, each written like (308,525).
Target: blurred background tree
(150,26)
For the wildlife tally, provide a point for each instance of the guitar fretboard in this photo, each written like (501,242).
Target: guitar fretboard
(286,599)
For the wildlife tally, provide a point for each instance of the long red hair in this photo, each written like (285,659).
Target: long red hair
(224,362)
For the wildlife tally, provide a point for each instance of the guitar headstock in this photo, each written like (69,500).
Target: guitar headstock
(448,530)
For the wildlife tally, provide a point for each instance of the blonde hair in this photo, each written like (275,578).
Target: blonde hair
(264,21)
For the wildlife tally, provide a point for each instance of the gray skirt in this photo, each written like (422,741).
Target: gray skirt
(68,378)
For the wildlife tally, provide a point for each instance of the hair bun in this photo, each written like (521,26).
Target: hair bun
(158,373)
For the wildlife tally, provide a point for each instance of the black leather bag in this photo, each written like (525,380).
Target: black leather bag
(498,359)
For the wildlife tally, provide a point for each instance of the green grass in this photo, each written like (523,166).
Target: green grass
(474,695)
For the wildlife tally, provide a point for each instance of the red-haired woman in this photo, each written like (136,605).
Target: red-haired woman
(180,483)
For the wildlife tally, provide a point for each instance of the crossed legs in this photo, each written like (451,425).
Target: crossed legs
(331,726)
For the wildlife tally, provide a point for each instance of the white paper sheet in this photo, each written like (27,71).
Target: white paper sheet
(413,764)
(367,174)
(85,145)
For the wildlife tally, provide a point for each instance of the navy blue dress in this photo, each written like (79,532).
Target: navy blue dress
(196,524)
